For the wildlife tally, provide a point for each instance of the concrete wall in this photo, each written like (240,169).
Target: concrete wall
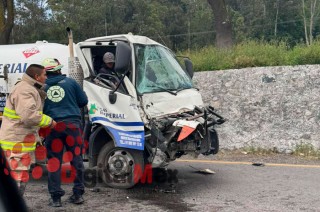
(268,107)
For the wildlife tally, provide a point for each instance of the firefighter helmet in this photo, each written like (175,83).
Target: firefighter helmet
(51,64)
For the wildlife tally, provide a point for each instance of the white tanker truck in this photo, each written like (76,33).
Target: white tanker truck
(147,112)
(14,60)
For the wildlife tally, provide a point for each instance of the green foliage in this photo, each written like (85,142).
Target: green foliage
(302,54)
(210,58)
(172,23)
(86,19)
(254,54)
(258,150)
(30,22)
(306,150)
(180,25)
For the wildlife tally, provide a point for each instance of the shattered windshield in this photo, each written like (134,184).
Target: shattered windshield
(158,70)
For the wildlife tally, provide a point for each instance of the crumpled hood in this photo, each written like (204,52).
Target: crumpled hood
(54,79)
(164,103)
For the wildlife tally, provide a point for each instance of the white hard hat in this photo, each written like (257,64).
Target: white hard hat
(108,57)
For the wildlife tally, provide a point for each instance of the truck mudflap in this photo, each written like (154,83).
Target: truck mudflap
(213,140)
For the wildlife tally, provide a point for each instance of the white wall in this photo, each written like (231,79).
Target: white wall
(268,107)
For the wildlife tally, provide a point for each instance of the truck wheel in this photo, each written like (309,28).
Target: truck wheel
(120,167)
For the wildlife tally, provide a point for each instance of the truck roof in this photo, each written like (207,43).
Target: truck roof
(127,37)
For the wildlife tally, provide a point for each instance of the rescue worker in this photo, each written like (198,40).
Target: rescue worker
(22,118)
(65,98)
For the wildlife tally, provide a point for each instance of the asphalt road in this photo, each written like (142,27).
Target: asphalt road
(244,187)
(235,186)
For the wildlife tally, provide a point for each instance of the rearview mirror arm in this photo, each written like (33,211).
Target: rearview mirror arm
(121,81)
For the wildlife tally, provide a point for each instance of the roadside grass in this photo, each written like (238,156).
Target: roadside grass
(258,150)
(305,150)
(302,54)
(254,54)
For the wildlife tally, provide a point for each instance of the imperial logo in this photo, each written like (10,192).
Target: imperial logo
(29,52)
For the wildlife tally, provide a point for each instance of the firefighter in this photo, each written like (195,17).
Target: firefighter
(22,118)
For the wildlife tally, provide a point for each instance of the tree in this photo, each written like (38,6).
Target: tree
(222,23)
(6,20)
(309,21)
(201,24)
(86,18)
(31,21)
(268,20)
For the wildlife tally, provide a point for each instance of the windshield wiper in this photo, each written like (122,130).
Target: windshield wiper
(181,89)
(163,89)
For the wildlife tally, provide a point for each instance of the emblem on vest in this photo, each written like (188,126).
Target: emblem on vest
(55,93)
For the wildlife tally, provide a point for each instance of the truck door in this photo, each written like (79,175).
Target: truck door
(116,110)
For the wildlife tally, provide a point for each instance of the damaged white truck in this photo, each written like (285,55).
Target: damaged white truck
(146,113)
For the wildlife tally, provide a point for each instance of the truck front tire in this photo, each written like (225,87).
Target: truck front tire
(120,167)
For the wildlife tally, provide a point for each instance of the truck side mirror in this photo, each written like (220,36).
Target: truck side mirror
(189,66)
(123,57)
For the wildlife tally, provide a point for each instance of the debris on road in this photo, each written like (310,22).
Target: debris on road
(203,171)
(258,164)
(95,189)
(171,189)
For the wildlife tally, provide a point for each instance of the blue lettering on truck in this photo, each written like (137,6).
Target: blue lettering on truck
(2,103)
(14,67)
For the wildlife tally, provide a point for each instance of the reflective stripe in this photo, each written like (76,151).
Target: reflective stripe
(10,113)
(11,145)
(45,121)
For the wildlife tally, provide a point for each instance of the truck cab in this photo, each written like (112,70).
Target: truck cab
(147,112)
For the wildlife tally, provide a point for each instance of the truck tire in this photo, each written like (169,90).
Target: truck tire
(120,167)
